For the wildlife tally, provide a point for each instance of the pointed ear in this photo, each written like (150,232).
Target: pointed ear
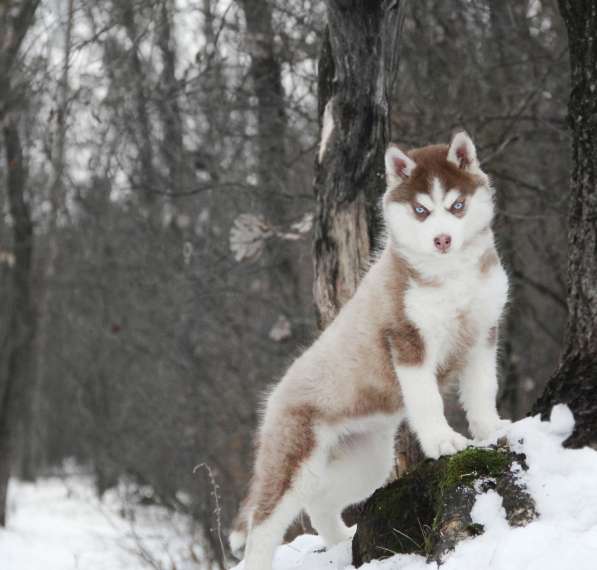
(462,152)
(399,166)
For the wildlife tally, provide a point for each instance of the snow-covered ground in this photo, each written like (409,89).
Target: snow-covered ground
(59,524)
(563,483)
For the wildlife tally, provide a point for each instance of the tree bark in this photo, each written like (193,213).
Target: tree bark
(16,350)
(16,17)
(282,282)
(357,67)
(266,75)
(18,344)
(146,176)
(172,147)
(575,381)
(32,449)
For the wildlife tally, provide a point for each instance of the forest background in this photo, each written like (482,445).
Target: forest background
(157,173)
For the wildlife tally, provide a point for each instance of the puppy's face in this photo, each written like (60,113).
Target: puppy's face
(437,199)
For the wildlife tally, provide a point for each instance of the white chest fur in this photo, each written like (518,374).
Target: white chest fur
(439,310)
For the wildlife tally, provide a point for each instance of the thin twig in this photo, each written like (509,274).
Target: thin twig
(218,508)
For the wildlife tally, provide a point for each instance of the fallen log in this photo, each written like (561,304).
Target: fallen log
(427,511)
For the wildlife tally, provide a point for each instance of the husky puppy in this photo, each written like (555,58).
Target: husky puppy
(428,309)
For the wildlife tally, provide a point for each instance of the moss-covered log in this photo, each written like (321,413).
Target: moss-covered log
(428,510)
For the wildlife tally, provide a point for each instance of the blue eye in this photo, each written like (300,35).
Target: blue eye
(458,205)
(420,210)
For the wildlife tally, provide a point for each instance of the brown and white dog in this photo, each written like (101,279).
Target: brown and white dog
(427,309)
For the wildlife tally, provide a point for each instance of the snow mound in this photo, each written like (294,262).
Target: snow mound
(563,483)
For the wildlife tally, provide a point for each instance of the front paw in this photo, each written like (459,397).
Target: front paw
(483,429)
(443,442)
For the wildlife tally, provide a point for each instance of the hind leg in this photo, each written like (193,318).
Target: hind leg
(328,523)
(356,466)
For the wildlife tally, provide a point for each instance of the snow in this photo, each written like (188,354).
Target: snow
(563,483)
(59,524)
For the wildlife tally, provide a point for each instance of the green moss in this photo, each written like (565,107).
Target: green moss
(475,529)
(472,463)
(405,517)
(464,468)
(409,503)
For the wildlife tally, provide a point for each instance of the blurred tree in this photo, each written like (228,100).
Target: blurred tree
(357,70)
(47,253)
(16,350)
(575,381)
(281,283)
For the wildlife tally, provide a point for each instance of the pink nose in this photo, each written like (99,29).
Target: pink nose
(442,242)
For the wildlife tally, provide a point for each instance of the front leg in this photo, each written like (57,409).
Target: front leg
(478,389)
(424,408)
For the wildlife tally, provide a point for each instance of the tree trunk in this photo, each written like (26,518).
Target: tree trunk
(575,381)
(16,351)
(172,147)
(146,180)
(357,67)
(32,451)
(17,347)
(282,284)
(266,75)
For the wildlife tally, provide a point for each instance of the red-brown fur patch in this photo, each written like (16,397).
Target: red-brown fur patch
(276,465)
(488,260)
(406,344)
(455,363)
(432,163)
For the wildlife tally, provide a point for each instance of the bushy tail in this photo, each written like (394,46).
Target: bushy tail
(238,535)
(237,540)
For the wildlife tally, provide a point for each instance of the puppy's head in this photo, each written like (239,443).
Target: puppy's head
(438,198)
